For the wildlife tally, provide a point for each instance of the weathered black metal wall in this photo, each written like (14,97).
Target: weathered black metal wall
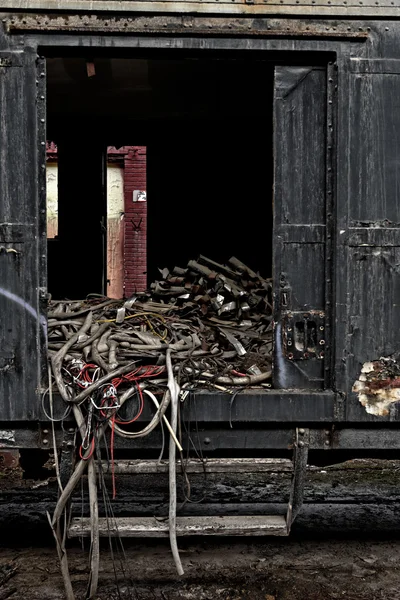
(22,329)
(337,253)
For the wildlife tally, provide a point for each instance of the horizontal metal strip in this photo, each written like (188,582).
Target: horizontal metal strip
(323,8)
(152,527)
(187,24)
(301,234)
(258,407)
(373,236)
(252,406)
(209,465)
(228,439)
(384,66)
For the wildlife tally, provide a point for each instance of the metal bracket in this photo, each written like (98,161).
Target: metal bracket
(304,335)
(300,456)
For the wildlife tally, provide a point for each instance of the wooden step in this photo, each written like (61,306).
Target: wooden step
(209,465)
(151,527)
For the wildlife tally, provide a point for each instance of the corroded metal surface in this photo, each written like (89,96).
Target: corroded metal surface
(184,24)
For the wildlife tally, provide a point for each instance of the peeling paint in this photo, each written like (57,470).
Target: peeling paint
(378,385)
(7,437)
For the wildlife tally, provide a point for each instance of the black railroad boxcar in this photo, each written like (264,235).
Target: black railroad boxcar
(311,113)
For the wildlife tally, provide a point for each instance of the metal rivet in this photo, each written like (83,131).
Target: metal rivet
(69,444)
(207,440)
(327,443)
(289,343)
(321,342)
(290,356)
(386,28)
(321,355)
(45,431)
(301,444)
(45,442)
(71,430)
(302,431)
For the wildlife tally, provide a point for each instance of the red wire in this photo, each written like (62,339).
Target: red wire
(84,456)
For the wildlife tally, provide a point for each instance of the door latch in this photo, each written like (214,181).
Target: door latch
(304,335)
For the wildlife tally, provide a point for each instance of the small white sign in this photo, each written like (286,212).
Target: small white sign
(139,196)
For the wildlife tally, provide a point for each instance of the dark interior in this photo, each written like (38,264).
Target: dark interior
(207,125)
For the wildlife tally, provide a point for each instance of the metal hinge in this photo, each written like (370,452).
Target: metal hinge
(304,335)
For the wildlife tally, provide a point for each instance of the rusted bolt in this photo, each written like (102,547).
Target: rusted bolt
(207,441)
(321,342)
(302,431)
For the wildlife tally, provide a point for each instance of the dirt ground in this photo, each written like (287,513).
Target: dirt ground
(279,569)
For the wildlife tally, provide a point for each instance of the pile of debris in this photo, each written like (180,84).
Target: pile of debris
(216,320)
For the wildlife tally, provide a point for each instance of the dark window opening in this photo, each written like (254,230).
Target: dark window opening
(207,127)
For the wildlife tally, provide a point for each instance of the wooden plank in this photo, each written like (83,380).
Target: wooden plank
(209,465)
(185,526)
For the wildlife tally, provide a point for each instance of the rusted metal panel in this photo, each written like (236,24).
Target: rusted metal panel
(371,239)
(21,325)
(184,24)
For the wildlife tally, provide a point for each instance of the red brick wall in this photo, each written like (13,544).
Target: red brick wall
(135,231)
(135,222)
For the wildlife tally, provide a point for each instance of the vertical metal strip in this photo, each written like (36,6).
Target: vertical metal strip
(330,220)
(42,210)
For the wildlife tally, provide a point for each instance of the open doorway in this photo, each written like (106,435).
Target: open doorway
(206,125)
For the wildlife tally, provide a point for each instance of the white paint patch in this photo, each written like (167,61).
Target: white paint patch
(378,386)
(52,199)
(7,437)
(25,305)
(115,231)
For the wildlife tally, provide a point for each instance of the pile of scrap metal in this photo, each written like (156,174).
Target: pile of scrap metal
(216,322)
(208,325)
